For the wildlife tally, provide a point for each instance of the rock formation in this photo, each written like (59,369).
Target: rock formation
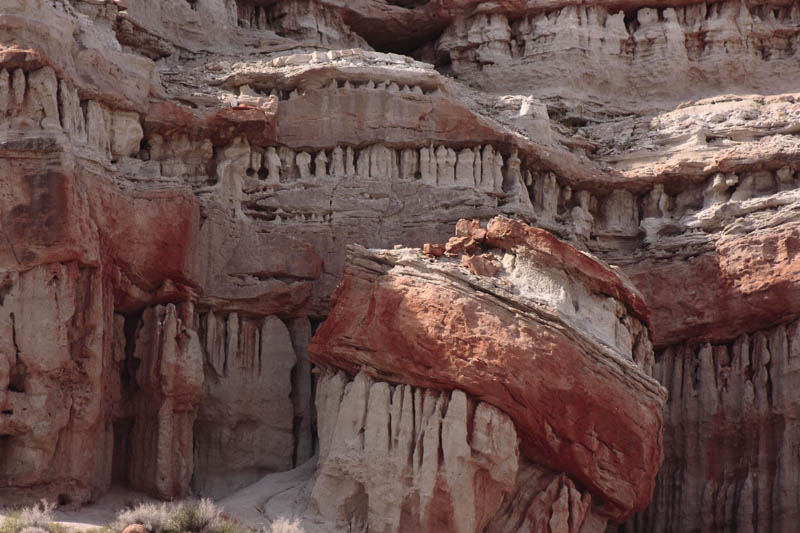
(396,458)
(568,374)
(181,180)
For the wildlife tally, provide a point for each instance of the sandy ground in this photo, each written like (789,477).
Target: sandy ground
(275,503)
(97,514)
(102,512)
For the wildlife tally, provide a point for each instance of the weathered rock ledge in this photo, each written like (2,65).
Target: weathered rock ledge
(552,338)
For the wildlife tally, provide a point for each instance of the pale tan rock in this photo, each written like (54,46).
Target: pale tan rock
(126,133)
(273,164)
(42,97)
(245,418)
(44,415)
(663,44)
(409,164)
(98,127)
(428,165)
(135,528)
(169,380)
(337,162)
(487,169)
(18,85)
(320,165)
(72,118)
(465,167)
(378,470)
(620,213)
(5,88)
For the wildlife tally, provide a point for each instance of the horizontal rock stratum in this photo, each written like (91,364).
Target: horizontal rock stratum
(555,339)
(181,180)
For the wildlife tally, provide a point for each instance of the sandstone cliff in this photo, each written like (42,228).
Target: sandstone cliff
(181,180)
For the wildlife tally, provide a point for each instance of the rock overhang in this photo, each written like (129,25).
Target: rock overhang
(575,390)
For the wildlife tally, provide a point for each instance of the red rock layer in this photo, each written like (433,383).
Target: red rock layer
(577,408)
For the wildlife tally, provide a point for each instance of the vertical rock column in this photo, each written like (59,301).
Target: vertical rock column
(399,458)
(169,379)
(731,431)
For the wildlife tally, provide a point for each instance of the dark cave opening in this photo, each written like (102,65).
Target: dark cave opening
(7,459)
(16,380)
(123,419)
(121,455)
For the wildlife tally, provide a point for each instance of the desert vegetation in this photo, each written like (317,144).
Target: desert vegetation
(34,519)
(187,516)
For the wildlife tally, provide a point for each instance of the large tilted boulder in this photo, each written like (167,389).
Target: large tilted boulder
(554,338)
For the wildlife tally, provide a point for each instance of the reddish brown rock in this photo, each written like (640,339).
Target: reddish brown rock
(724,461)
(434,249)
(479,265)
(528,354)
(149,238)
(222,125)
(33,187)
(471,228)
(458,245)
(749,282)
(138,147)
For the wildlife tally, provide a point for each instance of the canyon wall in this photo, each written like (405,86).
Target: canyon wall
(181,181)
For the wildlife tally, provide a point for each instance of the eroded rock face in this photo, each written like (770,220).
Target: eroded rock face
(170,165)
(399,458)
(723,446)
(162,383)
(748,281)
(244,427)
(544,500)
(665,50)
(517,341)
(51,362)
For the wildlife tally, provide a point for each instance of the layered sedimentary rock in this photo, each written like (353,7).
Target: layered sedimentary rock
(657,52)
(545,335)
(185,175)
(50,366)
